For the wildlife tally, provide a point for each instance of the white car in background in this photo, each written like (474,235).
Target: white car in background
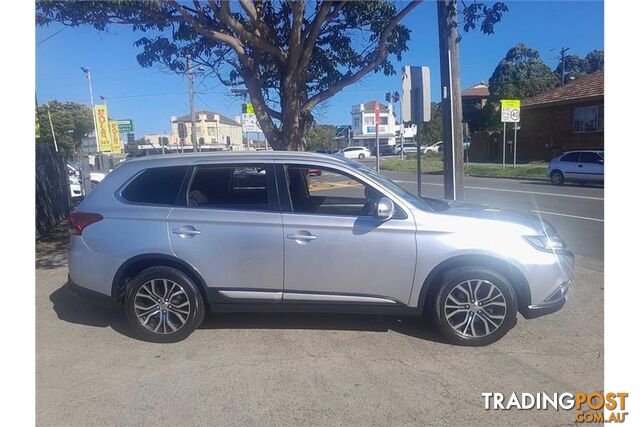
(409,148)
(434,148)
(355,153)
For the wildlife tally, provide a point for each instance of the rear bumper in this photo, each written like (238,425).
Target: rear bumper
(91,296)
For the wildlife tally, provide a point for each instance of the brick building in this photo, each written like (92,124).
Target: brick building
(566,118)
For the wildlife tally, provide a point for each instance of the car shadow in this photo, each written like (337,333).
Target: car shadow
(73,309)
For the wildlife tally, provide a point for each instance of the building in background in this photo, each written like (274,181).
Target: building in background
(363,124)
(214,132)
(565,118)
(474,99)
(569,117)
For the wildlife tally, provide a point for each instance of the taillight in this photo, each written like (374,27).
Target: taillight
(79,220)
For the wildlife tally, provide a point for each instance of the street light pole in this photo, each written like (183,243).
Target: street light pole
(84,165)
(192,105)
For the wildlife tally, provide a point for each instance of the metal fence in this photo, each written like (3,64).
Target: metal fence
(53,199)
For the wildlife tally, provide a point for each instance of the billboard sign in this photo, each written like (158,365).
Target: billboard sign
(102,126)
(115,137)
(510,110)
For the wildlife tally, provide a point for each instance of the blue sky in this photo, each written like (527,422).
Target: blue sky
(150,96)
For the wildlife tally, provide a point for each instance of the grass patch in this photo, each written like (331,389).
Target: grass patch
(522,171)
(433,164)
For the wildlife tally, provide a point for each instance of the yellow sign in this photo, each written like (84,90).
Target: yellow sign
(248,108)
(115,137)
(102,126)
(510,110)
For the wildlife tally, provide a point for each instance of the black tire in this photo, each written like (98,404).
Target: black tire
(557,177)
(184,324)
(361,156)
(485,333)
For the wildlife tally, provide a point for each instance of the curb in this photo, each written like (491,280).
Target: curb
(531,178)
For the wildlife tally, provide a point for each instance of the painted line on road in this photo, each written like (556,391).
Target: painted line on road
(567,215)
(542,193)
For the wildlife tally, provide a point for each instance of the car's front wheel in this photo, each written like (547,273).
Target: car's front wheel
(163,305)
(474,306)
(557,178)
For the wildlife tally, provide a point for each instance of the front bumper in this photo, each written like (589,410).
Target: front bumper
(552,304)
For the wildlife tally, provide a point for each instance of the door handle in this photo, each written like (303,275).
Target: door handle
(187,231)
(301,237)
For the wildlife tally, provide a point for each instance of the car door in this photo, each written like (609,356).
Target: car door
(591,166)
(335,249)
(569,165)
(229,228)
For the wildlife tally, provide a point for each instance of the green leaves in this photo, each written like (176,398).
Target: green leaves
(71,122)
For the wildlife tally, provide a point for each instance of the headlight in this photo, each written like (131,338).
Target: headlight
(546,243)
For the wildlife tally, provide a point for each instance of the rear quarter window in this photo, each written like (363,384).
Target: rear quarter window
(156,186)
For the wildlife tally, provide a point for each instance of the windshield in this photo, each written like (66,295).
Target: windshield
(425,203)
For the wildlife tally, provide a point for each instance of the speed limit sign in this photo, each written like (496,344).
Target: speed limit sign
(510,110)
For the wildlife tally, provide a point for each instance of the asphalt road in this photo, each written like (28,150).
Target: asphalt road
(576,211)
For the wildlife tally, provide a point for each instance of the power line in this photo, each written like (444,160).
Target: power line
(51,36)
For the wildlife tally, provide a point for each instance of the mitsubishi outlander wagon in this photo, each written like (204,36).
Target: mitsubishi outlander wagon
(170,238)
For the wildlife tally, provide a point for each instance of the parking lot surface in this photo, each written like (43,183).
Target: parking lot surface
(302,369)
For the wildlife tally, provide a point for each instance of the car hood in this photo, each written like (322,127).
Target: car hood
(481,211)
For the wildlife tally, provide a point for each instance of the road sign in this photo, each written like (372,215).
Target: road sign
(248,108)
(125,125)
(416,94)
(131,138)
(342,130)
(510,110)
(250,123)
(377,113)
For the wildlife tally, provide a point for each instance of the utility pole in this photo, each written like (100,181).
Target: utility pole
(55,144)
(192,105)
(451,100)
(562,56)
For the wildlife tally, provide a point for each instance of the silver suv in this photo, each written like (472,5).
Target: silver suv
(169,238)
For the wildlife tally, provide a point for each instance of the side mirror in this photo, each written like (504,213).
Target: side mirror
(386,209)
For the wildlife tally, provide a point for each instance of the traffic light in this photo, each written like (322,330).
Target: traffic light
(182,130)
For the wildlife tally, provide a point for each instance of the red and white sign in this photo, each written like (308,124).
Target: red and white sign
(377,113)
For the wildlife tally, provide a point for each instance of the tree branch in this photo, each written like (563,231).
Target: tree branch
(223,13)
(380,58)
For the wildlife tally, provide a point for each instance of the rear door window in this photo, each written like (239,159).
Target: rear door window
(589,157)
(571,157)
(155,186)
(244,187)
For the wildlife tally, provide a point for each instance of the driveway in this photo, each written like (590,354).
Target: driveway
(310,369)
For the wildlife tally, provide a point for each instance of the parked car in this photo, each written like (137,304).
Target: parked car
(355,153)
(168,238)
(434,148)
(577,166)
(409,148)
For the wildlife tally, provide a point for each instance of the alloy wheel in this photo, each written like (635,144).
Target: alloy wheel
(162,306)
(475,308)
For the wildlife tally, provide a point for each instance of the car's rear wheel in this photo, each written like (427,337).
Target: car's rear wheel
(361,156)
(557,177)
(474,306)
(163,305)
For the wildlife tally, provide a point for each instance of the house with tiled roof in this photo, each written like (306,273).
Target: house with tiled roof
(474,98)
(565,118)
